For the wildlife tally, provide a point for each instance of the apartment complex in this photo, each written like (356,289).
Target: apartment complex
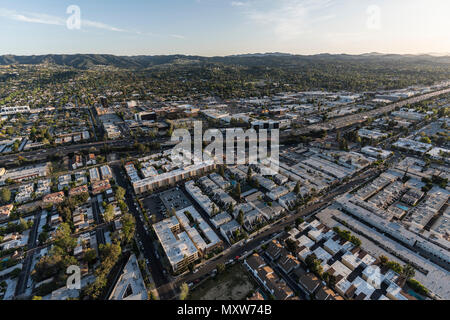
(172,177)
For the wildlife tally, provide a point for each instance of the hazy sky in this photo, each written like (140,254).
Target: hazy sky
(223,27)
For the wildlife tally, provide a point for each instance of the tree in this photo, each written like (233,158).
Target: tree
(43,237)
(120,193)
(297,188)
(221,268)
(230,208)
(237,190)
(128,227)
(383,260)
(395,266)
(343,145)
(64,239)
(5,195)
(108,216)
(170,131)
(291,245)
(249,174)
(240,218)
(184,291)
(221,171)
(408,272)
(90,256)
(418,287)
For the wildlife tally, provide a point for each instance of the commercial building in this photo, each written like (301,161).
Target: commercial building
(376,153)
(112,131)
(371,134)
(26,173)
(409,115)
(4,111)
(413,146)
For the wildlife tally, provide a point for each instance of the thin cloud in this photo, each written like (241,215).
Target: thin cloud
(58,21)
(53,20)
(31,17)
(100,25)
(288,19)
(239,4)
(178,36)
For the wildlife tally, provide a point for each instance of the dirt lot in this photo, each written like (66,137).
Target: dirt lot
(234,284)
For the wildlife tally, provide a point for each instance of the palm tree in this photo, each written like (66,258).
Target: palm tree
(408,272)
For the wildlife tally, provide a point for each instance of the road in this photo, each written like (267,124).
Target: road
(154,264)
(255,242)
(24,275)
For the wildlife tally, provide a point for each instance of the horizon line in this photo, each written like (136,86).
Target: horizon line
(435,54)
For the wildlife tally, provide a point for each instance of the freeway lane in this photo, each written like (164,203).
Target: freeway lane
(42,154)
(333,124)
(361,117)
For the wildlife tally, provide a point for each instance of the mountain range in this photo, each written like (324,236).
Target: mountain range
(86,61)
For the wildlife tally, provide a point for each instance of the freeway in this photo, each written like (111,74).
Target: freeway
(331,125)
(362,117)
(43,154)
(254,242)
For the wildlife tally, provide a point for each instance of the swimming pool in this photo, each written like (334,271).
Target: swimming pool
(402,207)
(414,294)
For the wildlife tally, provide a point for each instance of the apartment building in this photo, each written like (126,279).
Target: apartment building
(172,177)
(178,246)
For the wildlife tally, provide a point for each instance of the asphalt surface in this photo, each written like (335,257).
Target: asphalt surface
(24,275)
(154,264)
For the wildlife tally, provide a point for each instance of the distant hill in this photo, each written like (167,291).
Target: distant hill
(86,61)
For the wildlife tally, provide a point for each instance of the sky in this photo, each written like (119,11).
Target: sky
(223,27)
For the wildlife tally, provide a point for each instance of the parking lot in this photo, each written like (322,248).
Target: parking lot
(158,204)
